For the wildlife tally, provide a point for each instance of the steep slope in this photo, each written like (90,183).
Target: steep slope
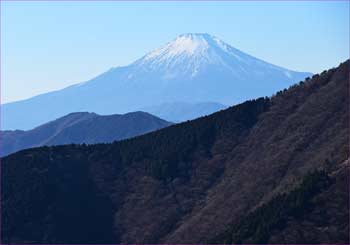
(310,213)
(193,68)
(328,211)
(190,182)
(82,127)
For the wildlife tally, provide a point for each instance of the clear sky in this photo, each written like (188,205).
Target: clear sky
(50,45)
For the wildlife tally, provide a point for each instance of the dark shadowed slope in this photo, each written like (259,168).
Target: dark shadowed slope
(196,182)
(82,127)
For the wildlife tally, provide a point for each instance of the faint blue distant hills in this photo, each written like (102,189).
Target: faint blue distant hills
(182,111)
(192,69)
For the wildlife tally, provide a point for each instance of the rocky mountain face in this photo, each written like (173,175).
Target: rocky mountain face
(269,170)
(193,68)
(82,127)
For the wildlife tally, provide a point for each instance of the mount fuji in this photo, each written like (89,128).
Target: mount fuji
(192,69)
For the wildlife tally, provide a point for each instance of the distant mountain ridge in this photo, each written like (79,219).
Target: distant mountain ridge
(193,68)
(182,111)
(82,127)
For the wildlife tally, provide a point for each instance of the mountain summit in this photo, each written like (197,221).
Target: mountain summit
(190,54)
(185,55)
(193,68)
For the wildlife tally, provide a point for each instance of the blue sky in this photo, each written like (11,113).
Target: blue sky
(49,45)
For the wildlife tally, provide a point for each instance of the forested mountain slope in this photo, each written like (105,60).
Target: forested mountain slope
(196,182)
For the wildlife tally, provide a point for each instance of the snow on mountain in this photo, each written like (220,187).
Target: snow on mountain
(191,52)
(193,68)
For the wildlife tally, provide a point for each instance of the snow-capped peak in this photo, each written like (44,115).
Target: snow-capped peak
(192,55)
(192,68)
(186,44)
(188,54)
